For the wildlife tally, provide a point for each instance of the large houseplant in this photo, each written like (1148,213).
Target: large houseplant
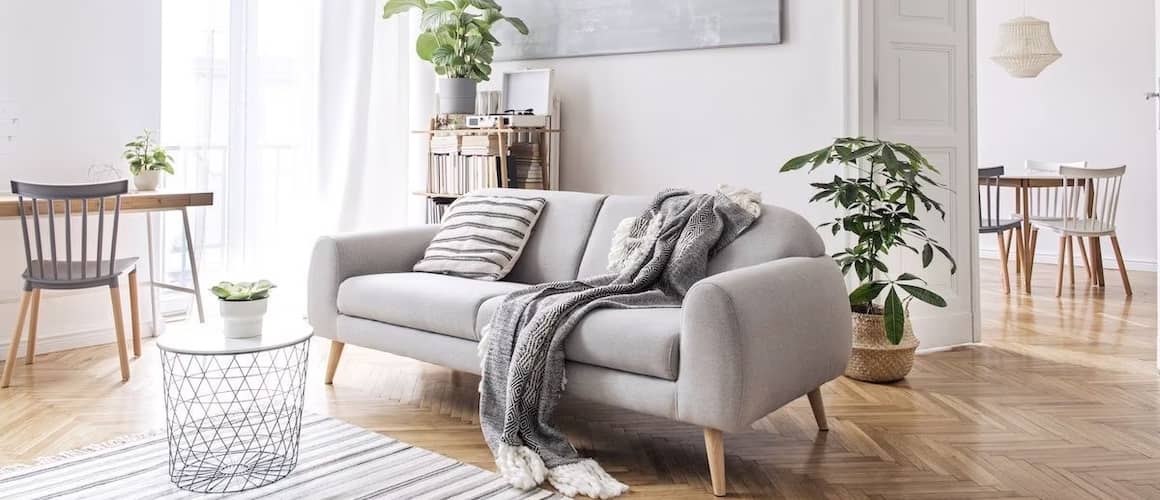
(879,206)
(457,40)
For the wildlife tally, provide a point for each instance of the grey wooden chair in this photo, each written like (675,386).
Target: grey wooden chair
(990,221)
(75,271)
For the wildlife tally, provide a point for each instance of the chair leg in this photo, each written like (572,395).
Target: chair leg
(819,408)
(1023,280)
(1071,260)
(119,326)
(1003,264)
(1062,254)
(1083,254)
(14,346)
(1031,255)
(332,361)
(33,321)
(1120,262)
(715,451)
(134,313)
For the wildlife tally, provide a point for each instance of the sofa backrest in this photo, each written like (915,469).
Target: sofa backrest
(777,234)
(553,252)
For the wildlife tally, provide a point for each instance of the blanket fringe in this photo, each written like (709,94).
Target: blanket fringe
(748,199)
(585,477)
(522,467)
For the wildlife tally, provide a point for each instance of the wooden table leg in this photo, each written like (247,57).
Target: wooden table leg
(1024,204)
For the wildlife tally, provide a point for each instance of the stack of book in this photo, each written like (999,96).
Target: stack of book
(483,145)
(458,174)
(436,211)
(525,166)
(445,144)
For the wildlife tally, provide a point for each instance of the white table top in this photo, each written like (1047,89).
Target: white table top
(195,338)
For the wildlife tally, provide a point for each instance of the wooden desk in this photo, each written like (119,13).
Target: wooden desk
(1023,181)
(147,203)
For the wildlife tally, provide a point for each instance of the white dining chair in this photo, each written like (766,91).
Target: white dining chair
(1042,203)
(1086,207)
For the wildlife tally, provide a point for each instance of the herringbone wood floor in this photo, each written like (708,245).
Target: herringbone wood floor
(1062,402)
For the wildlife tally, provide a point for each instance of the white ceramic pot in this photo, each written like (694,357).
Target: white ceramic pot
(147,180)
(456,95)
(243,318)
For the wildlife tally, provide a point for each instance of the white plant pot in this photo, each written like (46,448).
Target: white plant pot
(147,180)
(243,318)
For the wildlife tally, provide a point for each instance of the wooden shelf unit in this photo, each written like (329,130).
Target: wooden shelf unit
(506,137)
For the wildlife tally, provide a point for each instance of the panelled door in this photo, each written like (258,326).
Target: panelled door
(921,60)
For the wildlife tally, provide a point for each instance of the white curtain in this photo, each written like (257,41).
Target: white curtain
(297,114)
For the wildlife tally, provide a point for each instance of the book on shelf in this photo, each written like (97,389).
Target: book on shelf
(436,211)
(444,144)
(459,174)
(525,166)
(484,145)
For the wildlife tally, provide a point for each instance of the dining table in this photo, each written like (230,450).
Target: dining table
(1023,181)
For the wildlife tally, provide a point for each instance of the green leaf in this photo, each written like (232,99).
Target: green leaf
(927,255)
(894,316)
(443,55)
(484,4)
(399,6)
(797,162)
(425,45)
(518,24)
(867,292)
(924,295)
(908,277)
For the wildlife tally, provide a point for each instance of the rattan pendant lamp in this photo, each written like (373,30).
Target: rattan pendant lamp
(1025,46)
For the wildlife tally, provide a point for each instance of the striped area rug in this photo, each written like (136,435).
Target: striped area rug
(336,460)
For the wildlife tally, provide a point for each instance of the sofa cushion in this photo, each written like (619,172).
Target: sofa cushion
(432,302)
(482,236)
(641,341)
(554,250)
(777,234)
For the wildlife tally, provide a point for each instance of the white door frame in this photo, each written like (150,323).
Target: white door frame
(861,115)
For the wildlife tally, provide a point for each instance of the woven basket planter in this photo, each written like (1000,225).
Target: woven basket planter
(874,358)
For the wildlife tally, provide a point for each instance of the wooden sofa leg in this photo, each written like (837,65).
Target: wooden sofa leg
(715,450)
(332,361)
(819,408)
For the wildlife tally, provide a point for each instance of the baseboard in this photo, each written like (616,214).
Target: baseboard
(73,340)
(1109,262)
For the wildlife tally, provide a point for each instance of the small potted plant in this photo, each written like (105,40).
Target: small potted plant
(146,161)
(457,40)
(879,206)
(243,304)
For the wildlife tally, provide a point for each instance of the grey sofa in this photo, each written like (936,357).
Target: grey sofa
(771,323)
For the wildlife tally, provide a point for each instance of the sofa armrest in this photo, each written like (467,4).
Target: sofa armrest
(758,337)
(336,258)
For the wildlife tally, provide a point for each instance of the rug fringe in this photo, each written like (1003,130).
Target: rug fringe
(83,451)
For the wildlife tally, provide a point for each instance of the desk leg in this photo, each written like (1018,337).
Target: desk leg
(193,265)
(152,274)
(1023,195)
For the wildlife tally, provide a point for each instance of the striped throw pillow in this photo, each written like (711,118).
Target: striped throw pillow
(482,236)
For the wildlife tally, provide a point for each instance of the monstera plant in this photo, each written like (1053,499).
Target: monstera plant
(456,38)
(880,208)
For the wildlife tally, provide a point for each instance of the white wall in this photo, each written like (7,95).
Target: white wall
(634,124)
(85,77)
(1089,105)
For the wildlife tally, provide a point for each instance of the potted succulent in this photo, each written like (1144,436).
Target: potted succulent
(880,207)
(457,40)
(146,161)
(243,304)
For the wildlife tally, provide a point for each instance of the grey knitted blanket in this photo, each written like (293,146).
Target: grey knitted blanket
(666,251)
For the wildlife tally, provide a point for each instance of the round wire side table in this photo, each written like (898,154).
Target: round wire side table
(233,407)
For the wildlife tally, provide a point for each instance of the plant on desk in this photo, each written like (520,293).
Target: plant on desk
(243,304)
(146,161)
(457,40)
(880,206)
